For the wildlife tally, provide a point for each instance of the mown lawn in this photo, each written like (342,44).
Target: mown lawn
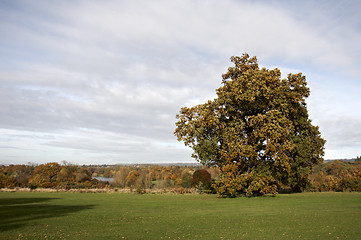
(40,215)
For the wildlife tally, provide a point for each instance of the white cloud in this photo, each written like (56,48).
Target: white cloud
(122,69)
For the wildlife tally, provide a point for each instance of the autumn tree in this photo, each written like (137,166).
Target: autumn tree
(83,175)
(45,175)
(257,131)
(186,177)
(120,177)
(131,179)
(336,176)
(15,175)
(201,179)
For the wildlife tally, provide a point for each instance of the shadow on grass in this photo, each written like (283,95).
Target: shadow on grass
(18,212)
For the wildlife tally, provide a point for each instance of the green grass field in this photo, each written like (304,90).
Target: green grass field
(65,215)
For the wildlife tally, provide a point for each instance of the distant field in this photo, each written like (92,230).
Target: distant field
(39,215)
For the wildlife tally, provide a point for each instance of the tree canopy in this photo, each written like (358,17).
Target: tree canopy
(257,131)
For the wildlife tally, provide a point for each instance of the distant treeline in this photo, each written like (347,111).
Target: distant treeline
(328,176)
(337,176)
(68,176)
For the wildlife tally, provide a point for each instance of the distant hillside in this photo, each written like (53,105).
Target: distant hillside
(344,160)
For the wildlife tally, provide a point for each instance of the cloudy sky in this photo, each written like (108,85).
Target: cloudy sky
(94,82)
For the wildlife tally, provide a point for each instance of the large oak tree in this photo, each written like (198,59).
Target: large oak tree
(257,131)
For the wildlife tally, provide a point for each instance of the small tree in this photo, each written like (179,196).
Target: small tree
(132,177)
(120,177)
(201,179)
(45,175)
(186,177)
(256,131)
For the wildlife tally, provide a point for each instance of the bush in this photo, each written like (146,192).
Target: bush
(140,190)
(336,176)
(201,180)
(252,183)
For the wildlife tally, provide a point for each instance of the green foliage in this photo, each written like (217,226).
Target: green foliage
(257,125)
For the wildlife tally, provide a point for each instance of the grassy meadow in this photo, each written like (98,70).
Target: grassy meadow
(67,215)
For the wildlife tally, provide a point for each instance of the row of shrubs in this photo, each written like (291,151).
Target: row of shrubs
(56,176)
(50,175)
(336,176)
(328,176)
